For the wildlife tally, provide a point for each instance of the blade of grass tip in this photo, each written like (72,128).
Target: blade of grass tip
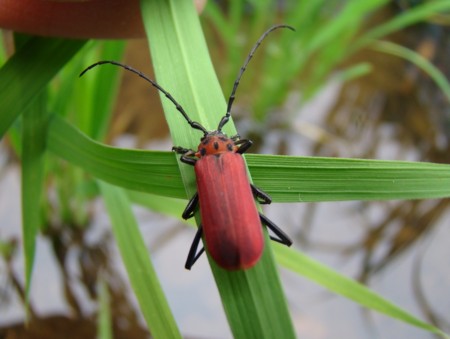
(394,49)
(27,73)
(300,179)
(34,132)
(182,66)
(143,278)
(104,326)
(354,72)
(339,284)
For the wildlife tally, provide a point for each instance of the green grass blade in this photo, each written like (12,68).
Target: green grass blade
(27,73)
(253,300)
(93,113)
(152,172)
(438,77)
(412,16)
(104,325)
(339,284)
(135,256)
(348,19)
(285,178)
(306,179)
(34,129)
(354,72)
(169,206)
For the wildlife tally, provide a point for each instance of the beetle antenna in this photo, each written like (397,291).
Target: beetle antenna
(179,108)
(226,117)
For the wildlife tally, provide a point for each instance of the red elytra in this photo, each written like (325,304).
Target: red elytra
(231,223)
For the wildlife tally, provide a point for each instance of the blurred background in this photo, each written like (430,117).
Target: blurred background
(321,91)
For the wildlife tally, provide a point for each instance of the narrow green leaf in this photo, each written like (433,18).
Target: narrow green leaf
(339,284)
(140,270)
(183,67)
(34,132)
(27,73)
(348,18)
(354,72)
(438,77)
(285,178)
(152,172)
(169,206)
(99,89)
(302,179)
(412,16)
(104,327)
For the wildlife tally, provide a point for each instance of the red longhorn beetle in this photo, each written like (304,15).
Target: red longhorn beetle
(231,222)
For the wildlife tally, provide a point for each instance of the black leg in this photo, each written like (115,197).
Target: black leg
(189,211)
(186,156)
(193,255)
(235,138)
(245,145)
(180,150)
(260,195)
(187,160)
(283,238)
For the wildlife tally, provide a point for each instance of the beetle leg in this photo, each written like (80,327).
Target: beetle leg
(180,150)
(193,255)
(186,156)
(245,145)
(189,211)
(283,238)
(235,138)
(187,160)
(261,196)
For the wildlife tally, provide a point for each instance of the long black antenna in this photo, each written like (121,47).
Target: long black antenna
(180,109)
(226,117)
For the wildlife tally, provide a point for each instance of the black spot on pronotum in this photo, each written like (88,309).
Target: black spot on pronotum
(216,145)
(203,151)
(230,147)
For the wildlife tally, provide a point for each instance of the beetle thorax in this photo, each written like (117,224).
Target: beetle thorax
(216,143)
